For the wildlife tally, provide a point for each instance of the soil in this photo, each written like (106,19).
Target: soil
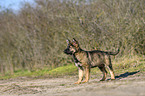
(126,84)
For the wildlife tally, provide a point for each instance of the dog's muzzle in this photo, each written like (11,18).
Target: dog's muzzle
(67,51)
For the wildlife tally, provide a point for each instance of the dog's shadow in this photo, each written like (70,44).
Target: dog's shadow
(125,75)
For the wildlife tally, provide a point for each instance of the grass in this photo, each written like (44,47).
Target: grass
(64,70)
(59,71)
(120,66)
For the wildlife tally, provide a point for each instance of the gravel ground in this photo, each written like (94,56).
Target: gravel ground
(126,84)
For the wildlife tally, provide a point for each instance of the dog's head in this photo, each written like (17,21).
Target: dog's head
(72,47)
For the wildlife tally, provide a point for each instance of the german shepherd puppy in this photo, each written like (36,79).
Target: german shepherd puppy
(85,60)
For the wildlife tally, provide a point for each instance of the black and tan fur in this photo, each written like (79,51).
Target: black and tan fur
(85,60)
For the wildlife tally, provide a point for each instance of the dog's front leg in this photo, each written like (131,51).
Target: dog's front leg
(80,76)
(87,74)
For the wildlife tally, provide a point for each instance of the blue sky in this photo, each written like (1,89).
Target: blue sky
(13,4)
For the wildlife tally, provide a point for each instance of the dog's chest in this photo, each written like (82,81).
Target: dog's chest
(78,64)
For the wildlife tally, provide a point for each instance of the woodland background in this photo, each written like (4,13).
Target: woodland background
(35,37)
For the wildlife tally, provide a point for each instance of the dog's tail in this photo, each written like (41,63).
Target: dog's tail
(115,53)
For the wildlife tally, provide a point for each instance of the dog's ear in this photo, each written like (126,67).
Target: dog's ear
(68,41)
(75,42)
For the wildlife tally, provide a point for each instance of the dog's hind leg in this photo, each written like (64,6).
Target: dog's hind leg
(111,72)
(103,69)
(109,66)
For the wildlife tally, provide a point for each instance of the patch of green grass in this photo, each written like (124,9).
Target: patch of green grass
(59,71)
(64,70)
(15,74)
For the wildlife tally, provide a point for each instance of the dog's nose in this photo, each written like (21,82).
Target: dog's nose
(64,51)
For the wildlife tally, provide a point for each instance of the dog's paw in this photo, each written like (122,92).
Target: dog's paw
(85,81)
(112,79)
(102,80)
(77,83)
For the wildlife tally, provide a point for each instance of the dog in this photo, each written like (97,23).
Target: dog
(85,60)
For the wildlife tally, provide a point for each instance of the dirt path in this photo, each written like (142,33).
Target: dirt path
(127,84)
